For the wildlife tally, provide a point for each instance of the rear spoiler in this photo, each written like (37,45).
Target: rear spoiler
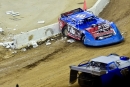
(75,11)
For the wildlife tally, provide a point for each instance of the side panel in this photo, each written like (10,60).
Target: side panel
(74,33)
(113,76)
(61,24)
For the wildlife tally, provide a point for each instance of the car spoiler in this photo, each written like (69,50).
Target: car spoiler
(75,11)
(73,76)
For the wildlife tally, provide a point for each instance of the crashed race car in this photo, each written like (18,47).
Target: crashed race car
(103,71)
(88,28)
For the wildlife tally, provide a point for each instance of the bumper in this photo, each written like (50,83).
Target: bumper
(107,41)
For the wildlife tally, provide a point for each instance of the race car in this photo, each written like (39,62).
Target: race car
(88,28)
(103,71)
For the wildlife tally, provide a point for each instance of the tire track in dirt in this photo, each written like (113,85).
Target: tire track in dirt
(30,60)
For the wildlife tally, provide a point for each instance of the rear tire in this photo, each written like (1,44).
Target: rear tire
(88,80)
(84,80)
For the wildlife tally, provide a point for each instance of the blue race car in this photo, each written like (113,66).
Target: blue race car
(90,29)
(103,71)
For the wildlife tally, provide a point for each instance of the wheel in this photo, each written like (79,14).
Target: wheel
(83,38)
(85,80)
(65,31)
(88,80)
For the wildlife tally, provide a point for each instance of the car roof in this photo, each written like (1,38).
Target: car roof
(81,15)
(106,59)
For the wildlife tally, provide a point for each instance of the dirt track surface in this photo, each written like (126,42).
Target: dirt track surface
(48,66)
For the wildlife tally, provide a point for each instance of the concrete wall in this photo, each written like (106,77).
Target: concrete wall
(36,35)
(41,34)
(99,6)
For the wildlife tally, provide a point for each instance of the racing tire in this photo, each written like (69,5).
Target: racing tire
(83,38)
(85,80)
(65,31)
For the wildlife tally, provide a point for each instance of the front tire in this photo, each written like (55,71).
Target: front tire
(83,39)
(65,31)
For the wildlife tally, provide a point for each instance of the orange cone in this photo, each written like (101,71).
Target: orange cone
(84,6)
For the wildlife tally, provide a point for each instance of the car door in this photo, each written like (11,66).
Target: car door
(74,33)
